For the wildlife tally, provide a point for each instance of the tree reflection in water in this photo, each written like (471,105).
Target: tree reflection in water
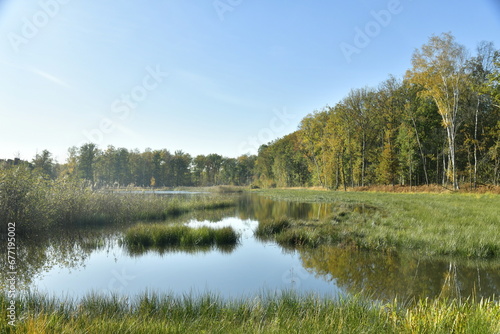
(387,276)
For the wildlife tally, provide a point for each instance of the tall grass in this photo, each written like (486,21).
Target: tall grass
(284,312)
(464,225)
(272,226)
(164,236)
(37,204)
(287,232)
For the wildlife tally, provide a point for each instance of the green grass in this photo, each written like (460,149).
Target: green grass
(464,225)
(165,236)
(284,312)
(272,226)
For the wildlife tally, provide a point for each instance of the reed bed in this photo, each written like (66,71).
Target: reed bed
(36,204)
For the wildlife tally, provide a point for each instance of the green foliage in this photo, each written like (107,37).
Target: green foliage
(388,166)
(493,83)
(87,156)
(119,167)
(282,163)
(435,126)
(44,165)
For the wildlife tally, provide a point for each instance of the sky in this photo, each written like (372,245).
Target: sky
(204,76)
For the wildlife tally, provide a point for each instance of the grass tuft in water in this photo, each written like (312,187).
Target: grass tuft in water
(298,237)
(269,227)
(164,236)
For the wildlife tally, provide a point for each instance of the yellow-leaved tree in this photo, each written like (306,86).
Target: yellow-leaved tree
(439,67)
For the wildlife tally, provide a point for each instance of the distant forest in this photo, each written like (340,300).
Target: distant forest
(439,124)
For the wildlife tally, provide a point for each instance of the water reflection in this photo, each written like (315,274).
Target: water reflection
(70,248)
(138,251)
(259,208)
(386,276)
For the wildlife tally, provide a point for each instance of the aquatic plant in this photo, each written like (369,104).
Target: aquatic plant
(173,235)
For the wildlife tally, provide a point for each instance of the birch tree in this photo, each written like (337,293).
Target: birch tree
(439,67)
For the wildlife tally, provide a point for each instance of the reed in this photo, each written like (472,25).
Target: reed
(37,204)
(164,236)
(270,227)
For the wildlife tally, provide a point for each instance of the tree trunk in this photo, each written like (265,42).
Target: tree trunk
(450,131)
(422,156)
(445,168)
(363,161)
(475,143)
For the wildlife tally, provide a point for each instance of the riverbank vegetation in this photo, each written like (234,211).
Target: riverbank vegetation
(463,225)
(36,203)
(284,312)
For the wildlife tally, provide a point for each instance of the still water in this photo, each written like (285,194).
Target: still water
(75,263)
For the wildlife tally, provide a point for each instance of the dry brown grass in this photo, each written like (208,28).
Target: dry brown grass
(433,188)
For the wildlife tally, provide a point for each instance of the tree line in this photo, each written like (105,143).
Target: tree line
(120,167)
(439,124)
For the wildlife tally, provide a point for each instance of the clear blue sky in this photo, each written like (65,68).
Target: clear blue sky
(240,72)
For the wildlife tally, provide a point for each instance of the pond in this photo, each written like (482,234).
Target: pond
(77,262)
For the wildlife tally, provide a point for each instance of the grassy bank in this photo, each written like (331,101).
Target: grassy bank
(285,312)
(464,225)
(165,236)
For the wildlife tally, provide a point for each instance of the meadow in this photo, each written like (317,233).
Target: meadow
(449,224)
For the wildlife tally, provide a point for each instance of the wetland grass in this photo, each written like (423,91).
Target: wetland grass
(167,236)
(463,225)
(282,312)
(272,226)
